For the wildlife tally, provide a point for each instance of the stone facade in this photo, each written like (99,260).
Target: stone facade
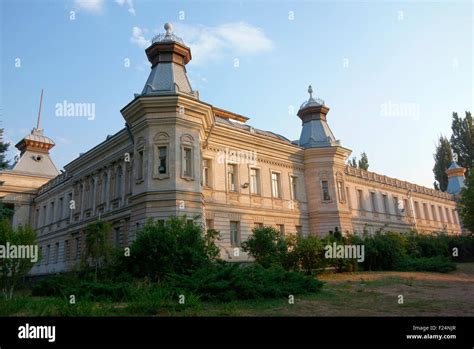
(178,155)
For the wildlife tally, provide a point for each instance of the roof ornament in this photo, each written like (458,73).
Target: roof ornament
(310,91)
(169,36)
(169,29)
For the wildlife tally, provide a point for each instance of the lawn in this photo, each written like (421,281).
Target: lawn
(346,294)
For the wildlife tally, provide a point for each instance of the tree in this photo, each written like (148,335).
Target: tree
(3,149)
(268,246)
(462,139)
(98,247)
(310,253)
(353,162)
(466,203)
(443,159)
(13,268)
(364,161)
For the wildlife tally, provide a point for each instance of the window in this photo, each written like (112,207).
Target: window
(61,208)
(294,187)
(118,182)
(386,208)
(209,224)
(373,200)
(48,253)
(395,206)
(51,213)
(447,215)
(425,211)
(117,236)
(360,199)
(234,234)
(45,214)
(66,250)
(281,228)
(78,248)
(254,181)
(417,209)
(56,252)
(340,191)
(162,155)
(105,181)
(231,177)
(276,185)
(187,162)
(440,211)
(433,212)
(205,172)
(325,189)
(258,225)
(140,164)
(299,230)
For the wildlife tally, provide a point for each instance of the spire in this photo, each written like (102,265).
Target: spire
(315,132)
(168,56)
(39,111)
(455,177)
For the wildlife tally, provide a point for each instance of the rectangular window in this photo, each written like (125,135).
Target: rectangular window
(234,234)
(440,211)
(61,208)
(373,200)
(299,230)
(139,169)
(231,177)
(56,252)
(205,173)
(51,220)
(433,212)
(78,248)
(162,154)
(45,209)
(294,187)
(386,208)
(425,211)
(325,190)
(281,228)
(340,190)
(258,225)
(360,199)
(48,253)
(187,162)
(255,181)
(276,185)
(448,216)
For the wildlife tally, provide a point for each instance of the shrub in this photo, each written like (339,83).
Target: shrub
(426,245)
(177,246)
(230,281)
(268,246)
(438,264)
(309,253)
(383,251)
(464,245)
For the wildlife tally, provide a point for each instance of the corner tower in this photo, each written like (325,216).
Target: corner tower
(455,178)
(324,159)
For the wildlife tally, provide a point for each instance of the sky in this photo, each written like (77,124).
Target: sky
(392,73)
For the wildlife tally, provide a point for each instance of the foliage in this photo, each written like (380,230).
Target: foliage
(268,246)
(363,163)
(309,253)
(443,159)
(230,281)
(6,212)
(438,264)
(383,251)
(3,150)
(462,139)
(97,244)
(466,203)
(13,269)
(177,246)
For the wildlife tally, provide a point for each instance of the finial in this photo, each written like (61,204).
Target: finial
(168,28)
(39,111)
(310,91)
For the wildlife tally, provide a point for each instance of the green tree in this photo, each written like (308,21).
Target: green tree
(443,159)
(310,253)
(353,162)
(268,246)
(3,149)
(13,269)
(98,247)
(466,203)
(462,139)
(364,161)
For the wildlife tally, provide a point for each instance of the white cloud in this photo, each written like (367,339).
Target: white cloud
(207,43)
(129,3)
(93,6)
(139,38)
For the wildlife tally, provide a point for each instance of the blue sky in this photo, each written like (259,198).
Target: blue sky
(391,73)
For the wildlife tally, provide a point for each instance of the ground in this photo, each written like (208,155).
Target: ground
(346,294)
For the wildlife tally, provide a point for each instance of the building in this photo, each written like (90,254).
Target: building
(178,155)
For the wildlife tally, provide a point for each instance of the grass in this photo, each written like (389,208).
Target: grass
(346,294)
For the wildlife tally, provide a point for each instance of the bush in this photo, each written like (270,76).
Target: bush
(230,281)
(309,253)
(383,251)
(438,264)
(427,245)
(464,245)
(268,246)
(177,246)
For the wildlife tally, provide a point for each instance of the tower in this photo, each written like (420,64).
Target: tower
(324,160)
(168,124)
(455,178)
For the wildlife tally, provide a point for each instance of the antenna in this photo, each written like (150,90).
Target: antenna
(39,111)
